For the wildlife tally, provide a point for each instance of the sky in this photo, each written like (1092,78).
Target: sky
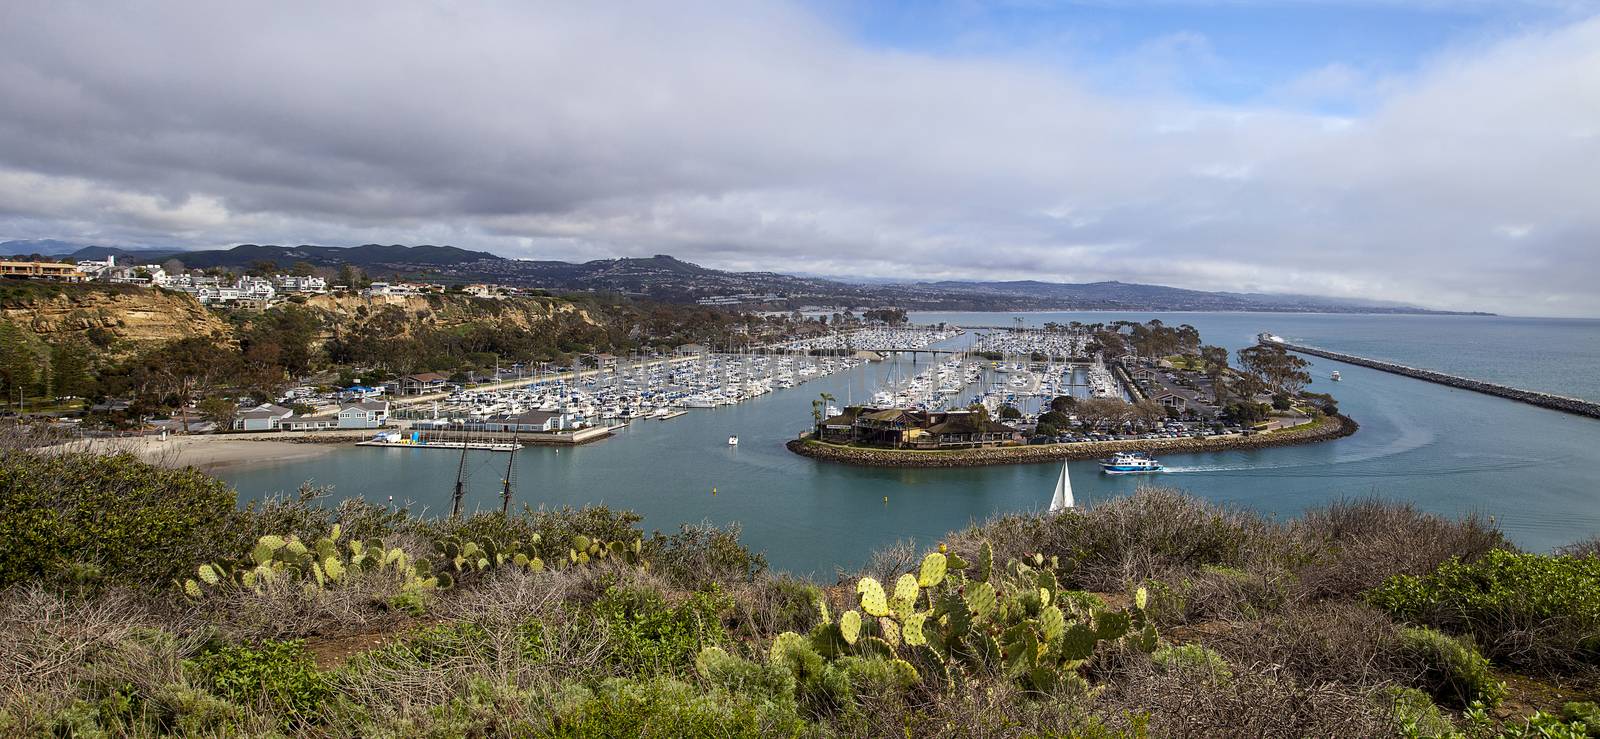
(1437,152)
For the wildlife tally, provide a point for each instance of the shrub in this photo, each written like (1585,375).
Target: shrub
(137,523)
(649,636)
(1530,610)
(1414,712)
(1192,659)
(1452,669)
(700,555)
(279,674)
(1353,546)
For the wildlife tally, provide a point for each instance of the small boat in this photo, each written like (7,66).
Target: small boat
(1062,498)
(1334,376)
(733,441)
(1128,463)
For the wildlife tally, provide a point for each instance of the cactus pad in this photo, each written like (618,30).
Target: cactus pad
(850,626)
(933,567)
(873,600)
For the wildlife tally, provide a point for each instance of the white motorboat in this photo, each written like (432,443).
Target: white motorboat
(1129,463)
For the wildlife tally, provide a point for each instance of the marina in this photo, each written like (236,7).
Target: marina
(1445,450)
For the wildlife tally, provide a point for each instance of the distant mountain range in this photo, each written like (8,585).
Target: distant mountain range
(669,279)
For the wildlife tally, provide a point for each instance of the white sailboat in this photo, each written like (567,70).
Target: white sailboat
(1062,499)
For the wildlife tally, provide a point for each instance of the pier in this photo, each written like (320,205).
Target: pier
(1532,397)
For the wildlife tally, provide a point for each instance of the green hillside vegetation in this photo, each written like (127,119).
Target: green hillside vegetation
(142,602)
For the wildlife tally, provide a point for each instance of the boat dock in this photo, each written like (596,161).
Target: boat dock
(1532,397)
(483,446)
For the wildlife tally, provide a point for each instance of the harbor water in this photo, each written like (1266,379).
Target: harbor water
(1447,450)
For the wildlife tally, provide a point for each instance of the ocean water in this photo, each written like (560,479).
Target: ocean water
(1447,450)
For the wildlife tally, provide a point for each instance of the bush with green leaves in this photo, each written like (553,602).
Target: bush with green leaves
(275,674)
(1414,712)
(1192,659)
(649,636)
(1530,610)
(1451,668)
(127,521)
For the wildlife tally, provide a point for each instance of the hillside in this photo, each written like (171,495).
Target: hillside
(669,279)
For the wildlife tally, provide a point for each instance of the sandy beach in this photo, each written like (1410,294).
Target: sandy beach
(206,452)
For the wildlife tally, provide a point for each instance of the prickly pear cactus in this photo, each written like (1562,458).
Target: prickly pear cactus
(873,600)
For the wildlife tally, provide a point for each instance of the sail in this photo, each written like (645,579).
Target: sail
(1062,499)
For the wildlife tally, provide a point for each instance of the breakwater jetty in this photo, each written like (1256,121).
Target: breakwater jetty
(1326,429)
(1531,397)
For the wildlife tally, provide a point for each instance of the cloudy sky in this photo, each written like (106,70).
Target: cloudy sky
(1442,152)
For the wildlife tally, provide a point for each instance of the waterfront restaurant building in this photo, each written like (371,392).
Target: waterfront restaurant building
(901,428)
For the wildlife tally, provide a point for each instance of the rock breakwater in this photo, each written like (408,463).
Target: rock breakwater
(1531,397)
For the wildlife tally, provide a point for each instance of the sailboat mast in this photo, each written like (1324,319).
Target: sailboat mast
(461,471)
(505,493)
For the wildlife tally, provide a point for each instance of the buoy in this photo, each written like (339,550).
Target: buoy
(886,500)
(713,491)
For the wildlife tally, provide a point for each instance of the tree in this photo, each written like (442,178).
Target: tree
(1282,371)
(303,269)
(19,361)
(1216,360)
(979,415)
(1096,411)
(1009,412)
(69,368)
(1063,404)
(219,410)
(1147,412)
(185,369)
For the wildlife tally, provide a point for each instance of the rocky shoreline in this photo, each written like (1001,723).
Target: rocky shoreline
(870,457)
(1532,397)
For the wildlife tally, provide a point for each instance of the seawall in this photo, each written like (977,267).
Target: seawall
(1531,397)
(1330,428)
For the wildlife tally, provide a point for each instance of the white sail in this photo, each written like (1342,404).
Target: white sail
(1062,499)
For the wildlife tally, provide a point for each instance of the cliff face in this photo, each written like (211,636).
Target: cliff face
(443,311)
(135,318)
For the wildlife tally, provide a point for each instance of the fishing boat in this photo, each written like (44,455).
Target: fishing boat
(733,441)
(1061,499)
(1129,463)
(1334,376)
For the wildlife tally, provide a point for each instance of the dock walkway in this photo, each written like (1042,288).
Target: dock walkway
(1562,403)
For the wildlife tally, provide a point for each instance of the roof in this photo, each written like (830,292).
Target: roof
(963,426)
(427,377)
(367,405)
(265,410)
(887,414)
(525,418)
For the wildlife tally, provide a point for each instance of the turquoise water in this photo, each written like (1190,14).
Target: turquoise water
(1448,450)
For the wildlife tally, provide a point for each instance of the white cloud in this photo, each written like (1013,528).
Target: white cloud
(756,136)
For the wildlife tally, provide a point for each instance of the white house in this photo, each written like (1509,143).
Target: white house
(299,284)
(367,414)
(264,417)
(313,422)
